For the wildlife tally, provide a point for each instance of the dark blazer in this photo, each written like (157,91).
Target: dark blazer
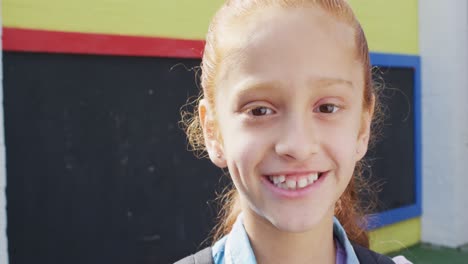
(365,256)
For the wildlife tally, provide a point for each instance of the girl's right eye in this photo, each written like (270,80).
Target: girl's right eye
(260,111)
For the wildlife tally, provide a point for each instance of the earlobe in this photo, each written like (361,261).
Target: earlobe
(210,135)
(218,159)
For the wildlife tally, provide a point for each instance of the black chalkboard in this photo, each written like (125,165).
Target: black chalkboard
(98,170)
(392,160)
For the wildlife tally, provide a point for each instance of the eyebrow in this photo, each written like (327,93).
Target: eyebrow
(248,86)
(251,85)
(325,82)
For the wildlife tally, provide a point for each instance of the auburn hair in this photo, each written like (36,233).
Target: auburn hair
(350,209)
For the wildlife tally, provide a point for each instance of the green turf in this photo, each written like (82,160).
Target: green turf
(428,254)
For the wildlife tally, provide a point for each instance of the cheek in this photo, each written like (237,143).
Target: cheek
(341,141)
(245,156)
(343,148)
(244,149)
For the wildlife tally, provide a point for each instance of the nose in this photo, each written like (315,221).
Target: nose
(298,140)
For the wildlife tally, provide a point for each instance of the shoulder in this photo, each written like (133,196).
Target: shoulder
(366,255)
(204,256)
(214,254)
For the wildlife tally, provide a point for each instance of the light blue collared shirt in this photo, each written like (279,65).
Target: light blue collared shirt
(235,248)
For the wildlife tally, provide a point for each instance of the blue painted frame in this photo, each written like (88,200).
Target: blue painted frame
(403,213)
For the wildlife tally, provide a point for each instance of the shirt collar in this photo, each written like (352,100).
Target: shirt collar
(340,234)
(238,249)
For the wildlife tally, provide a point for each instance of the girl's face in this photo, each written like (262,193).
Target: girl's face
(289,109)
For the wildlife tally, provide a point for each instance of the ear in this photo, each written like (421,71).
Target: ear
(364,134)
(210,134)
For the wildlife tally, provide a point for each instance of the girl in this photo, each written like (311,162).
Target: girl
(287,108)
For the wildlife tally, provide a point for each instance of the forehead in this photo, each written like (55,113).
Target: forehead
(289,44)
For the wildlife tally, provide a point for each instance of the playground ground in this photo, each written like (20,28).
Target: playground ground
(429,254)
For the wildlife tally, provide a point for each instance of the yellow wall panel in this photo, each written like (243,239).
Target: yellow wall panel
(396,236)
(391,25)
(187,19)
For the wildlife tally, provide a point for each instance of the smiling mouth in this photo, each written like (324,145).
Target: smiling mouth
(294,182)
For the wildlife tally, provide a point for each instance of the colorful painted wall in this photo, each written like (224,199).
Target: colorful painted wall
(171,20)
(175,29)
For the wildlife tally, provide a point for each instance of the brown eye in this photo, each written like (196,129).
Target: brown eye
(261,111)
(327,108)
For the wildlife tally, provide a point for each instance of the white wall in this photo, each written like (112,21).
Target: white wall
(444,52)
(3,218)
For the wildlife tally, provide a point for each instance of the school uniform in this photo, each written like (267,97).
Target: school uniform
(235,248)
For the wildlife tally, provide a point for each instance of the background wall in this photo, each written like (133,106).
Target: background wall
(186,19)
(160,29)
(444,53)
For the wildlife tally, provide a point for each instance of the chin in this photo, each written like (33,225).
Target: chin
(293,227)
(297,223)
(290,217)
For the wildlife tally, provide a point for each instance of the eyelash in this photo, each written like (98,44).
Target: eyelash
(318,109)
(251,111)
(336,108)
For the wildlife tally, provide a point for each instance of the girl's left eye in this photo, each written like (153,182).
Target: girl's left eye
(327,109)
(260,111)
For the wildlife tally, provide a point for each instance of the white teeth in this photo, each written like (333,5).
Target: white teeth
(294,183)
(312,177)
(282,178)
(315,176)
(302,183)
(291,184)
(278,179)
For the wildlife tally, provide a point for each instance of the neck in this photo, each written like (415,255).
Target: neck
(272,245)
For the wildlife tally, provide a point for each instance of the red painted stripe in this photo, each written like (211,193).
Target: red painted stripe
(28,40)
